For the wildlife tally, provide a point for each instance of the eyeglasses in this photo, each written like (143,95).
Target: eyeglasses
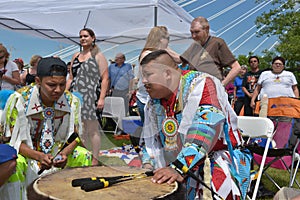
(279,64)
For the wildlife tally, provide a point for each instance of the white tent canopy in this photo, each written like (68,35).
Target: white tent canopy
(114,21)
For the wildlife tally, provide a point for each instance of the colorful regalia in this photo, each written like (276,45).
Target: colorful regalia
(189,126)
(25,119)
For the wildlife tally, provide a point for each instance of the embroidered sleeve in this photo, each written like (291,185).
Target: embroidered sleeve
(201,135)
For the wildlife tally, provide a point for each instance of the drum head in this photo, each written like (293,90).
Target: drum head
(58,185)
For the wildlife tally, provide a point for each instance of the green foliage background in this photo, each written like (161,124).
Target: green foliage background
(284,22)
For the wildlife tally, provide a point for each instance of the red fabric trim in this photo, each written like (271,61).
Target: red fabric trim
(209,95)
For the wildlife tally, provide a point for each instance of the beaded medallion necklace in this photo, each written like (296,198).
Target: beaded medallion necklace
(47,136)
(170,124)
(170,120)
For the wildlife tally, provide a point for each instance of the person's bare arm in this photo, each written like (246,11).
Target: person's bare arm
(6,170)
(14,80)
(234,93)
(254,95)
(235,70)
(103,68)
(44,159)
(174,55)
(247,93)
(296,91)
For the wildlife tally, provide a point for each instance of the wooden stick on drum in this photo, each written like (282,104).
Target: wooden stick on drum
(80,181)
(95,183)
(70,140)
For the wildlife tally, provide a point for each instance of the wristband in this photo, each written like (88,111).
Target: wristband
(176,168)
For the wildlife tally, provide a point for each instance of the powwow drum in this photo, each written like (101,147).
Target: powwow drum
(58,185)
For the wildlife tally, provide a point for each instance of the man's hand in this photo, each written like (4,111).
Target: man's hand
(60,160)
(45,160)
(166,174)
(100,104)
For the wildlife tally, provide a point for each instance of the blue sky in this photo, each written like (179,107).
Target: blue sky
(233,20)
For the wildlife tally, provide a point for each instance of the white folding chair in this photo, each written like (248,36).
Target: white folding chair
(295,160)
(253,127)
(114,108)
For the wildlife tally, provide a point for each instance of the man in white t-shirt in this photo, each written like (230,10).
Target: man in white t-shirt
(276,83)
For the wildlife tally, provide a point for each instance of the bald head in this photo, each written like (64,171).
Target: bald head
(203,21)
(120,59)
(161,76)
(200,30)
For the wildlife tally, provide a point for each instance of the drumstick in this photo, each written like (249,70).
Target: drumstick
(70,140)
(108,181)
(81,181)
(101,183)
(186,171)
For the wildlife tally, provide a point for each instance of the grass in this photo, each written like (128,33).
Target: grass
(280,176)
(108,142)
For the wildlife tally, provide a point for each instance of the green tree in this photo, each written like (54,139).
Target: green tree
(283,21)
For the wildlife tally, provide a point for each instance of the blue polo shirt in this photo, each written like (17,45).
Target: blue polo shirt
(238,83)
(120,76)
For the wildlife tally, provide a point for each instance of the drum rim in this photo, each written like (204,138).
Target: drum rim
(172,192)
(39,192)
(35,188)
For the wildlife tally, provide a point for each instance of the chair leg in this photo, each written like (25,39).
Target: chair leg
(294,171)
(272,180)
(260,171)
(116,129)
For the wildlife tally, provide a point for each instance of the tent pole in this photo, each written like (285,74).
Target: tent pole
(155,15)
(87,19)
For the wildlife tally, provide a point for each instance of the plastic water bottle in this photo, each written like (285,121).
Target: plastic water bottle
(264,106)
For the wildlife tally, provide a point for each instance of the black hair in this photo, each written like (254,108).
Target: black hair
(253,57)
(279,58)
(153,55)
(58,69)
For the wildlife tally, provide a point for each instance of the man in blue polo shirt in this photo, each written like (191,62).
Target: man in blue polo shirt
(120,76)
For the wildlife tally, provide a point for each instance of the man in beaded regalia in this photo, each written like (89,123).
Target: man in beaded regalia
(37,120)
(185,120)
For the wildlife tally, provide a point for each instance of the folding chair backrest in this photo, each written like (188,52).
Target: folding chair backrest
(284,128)
(255,126)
